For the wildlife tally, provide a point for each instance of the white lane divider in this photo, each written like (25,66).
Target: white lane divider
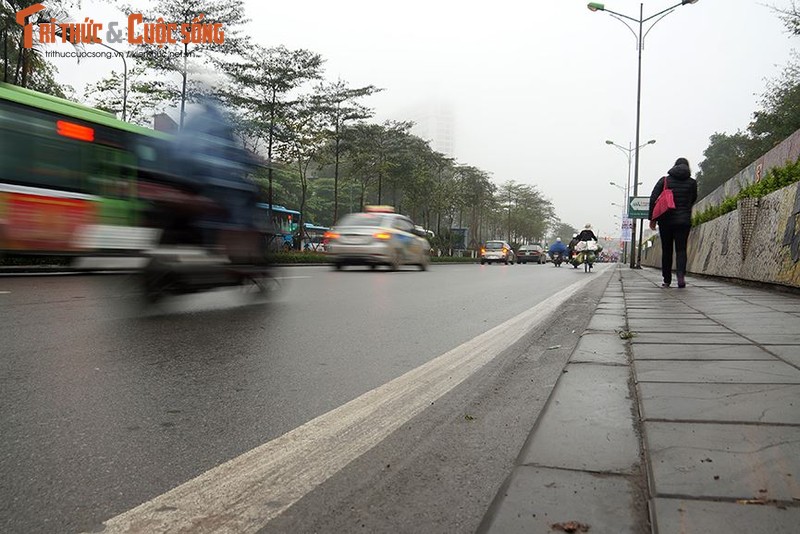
(4,292)
(245,493)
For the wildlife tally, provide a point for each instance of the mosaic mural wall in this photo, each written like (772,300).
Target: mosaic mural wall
(759,241)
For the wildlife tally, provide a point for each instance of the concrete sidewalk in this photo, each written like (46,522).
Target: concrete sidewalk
(678,412)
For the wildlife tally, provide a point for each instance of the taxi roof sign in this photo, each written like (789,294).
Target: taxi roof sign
(379,209)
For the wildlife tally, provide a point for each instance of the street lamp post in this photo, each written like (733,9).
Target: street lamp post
(628,152)
(124,79)
(597,6)
(624,214)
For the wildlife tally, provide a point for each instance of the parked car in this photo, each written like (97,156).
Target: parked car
(532,253)
(497,251)
(377,237)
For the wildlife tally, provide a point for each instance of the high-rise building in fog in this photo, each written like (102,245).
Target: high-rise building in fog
(434,121)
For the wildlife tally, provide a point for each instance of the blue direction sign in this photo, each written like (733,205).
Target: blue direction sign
(639,207)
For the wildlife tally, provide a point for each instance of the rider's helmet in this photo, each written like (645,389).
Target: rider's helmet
(558,239)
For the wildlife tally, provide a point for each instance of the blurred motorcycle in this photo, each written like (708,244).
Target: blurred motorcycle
(213,234)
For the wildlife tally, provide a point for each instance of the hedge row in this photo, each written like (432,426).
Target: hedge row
(777,178)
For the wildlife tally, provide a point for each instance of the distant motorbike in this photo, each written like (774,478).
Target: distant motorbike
(585,253)
(557,258)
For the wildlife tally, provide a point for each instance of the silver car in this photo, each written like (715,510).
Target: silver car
(377,237)
(497,251)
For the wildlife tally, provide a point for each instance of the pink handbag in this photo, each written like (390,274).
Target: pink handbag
(664,202)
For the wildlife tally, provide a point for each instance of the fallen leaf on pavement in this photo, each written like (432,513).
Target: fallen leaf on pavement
(751,501)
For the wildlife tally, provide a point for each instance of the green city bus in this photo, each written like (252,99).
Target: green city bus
(68,176)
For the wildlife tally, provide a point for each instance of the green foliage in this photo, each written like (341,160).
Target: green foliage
(725,156)
(562,230)
(28,67)
(298,257)
(777,119)
(182,59)
(145,95)
(777,178)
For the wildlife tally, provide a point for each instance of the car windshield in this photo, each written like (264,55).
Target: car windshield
(365,219)
(494,245)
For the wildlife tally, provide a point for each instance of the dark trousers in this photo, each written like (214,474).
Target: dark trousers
(673,236)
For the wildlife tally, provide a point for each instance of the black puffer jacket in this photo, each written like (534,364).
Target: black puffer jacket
(684,191)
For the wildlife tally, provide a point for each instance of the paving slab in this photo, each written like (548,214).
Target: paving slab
(775,339)
(790,353)
(743,371)
(694,339)
(686,516)
(757,403)
(736,461)
(667,325)
(538,498)
(587,423)
(684,321)
(607,323)
(757,312)
(658,314)
(778,323)
(612,307)
(675,351)
(600,348)
(656,306)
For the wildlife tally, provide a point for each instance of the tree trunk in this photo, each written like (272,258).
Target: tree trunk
(21,48)
(269,146)
(184,75)
(5,56)
(336,174)
(303,189)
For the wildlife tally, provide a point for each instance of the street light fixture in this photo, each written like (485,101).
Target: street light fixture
(124,79)
(597,6)
(628,152)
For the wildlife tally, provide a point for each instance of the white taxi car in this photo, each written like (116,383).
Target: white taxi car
(497,251)
(375,237)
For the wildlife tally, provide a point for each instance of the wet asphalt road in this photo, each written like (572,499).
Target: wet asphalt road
(105,406)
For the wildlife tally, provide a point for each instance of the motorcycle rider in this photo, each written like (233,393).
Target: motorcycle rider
(587,234)
(557,248)
(585,255)
(571,248)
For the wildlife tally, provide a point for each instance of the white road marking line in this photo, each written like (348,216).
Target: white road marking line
(245,493)
(4,292)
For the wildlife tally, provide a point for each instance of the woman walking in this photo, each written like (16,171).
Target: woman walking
(674,224)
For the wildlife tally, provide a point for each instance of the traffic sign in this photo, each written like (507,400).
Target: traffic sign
(639,207)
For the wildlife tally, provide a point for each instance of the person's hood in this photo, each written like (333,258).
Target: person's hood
(680,172)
